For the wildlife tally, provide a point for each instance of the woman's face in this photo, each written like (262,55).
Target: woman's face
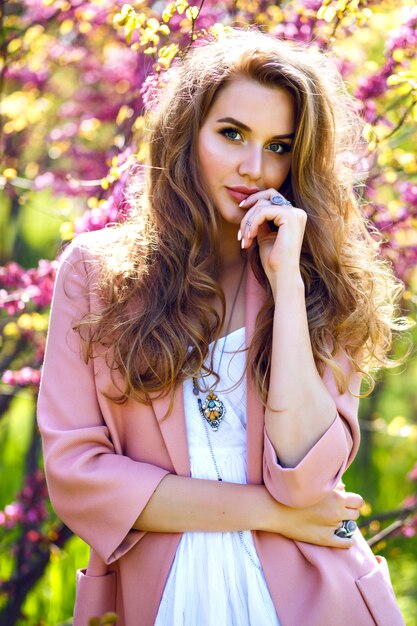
(245,143)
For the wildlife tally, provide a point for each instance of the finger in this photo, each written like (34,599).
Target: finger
(339,542)
(353,501)
(353,514)
(248,228)
(333,541)
(271,194)
(257,216)
(265,194)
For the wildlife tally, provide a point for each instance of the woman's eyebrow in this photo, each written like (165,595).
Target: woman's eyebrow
(232,120)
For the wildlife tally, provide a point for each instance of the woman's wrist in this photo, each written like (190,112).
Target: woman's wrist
(260,508)
(265,510)
(287,279)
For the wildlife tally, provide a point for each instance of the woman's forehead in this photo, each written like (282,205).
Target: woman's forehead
(253,103)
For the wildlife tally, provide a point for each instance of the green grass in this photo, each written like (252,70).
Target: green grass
(15,434)
(51,601)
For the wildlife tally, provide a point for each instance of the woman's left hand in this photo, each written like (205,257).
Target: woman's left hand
(280,249)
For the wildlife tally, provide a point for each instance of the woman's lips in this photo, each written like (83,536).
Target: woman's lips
(238,195)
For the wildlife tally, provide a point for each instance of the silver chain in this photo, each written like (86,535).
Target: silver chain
(246,549)
(206,429)
(210,447)
(229,323)
(219,478)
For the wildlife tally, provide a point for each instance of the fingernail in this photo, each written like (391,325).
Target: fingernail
(239,235)
(249,236)
(242,245)
(243,202)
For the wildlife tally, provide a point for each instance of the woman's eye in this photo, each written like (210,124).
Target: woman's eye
(231,133)
(279,148)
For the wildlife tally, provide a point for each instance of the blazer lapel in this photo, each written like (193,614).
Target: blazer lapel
(173,429)
(255,298)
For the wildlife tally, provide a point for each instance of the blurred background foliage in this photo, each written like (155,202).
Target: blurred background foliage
(76,78)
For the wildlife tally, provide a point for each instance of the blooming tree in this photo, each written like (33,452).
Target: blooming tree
(77,78)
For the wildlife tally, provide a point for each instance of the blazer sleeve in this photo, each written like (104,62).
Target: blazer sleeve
(99,494)
(322,467)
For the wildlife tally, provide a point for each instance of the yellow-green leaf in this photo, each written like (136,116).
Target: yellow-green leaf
(192,13)
(168,12)
(181,6)
(326,13)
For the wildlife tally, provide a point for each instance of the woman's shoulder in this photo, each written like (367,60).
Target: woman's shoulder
(98,256)
(104,241)
(104,248)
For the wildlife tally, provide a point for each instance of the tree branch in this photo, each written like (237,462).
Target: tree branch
(386,532)
(381,517)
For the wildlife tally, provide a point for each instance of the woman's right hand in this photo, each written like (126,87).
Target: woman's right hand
(316,523)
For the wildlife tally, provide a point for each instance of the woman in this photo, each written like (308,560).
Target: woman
(224,332)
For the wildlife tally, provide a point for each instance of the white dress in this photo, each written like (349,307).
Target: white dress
(216,578)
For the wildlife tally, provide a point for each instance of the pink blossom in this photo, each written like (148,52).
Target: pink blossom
(405,37)
(408,193)
(44,180)
(413,474)
(13,514)
(33,536)
(149,90)
(408,531)
(21,378)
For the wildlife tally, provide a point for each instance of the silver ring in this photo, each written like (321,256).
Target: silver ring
(346,530)
(280,201)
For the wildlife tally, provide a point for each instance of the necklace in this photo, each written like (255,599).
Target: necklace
(220,479)
(212,410)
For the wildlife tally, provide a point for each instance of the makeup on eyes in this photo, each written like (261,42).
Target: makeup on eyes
(240,126)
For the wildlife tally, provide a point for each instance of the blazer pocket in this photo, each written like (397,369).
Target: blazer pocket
(95,595)
(376,590)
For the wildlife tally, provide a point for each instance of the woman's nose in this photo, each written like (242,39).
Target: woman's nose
(250,165)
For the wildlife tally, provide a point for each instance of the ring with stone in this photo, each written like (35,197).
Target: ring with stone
(280,201)
(346,530)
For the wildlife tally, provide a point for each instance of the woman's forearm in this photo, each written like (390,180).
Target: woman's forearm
(299,407)
(182,504)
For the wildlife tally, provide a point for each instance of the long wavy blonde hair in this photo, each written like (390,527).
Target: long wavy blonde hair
(159,281)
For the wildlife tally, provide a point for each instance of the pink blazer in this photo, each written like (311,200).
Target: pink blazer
(103,462)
